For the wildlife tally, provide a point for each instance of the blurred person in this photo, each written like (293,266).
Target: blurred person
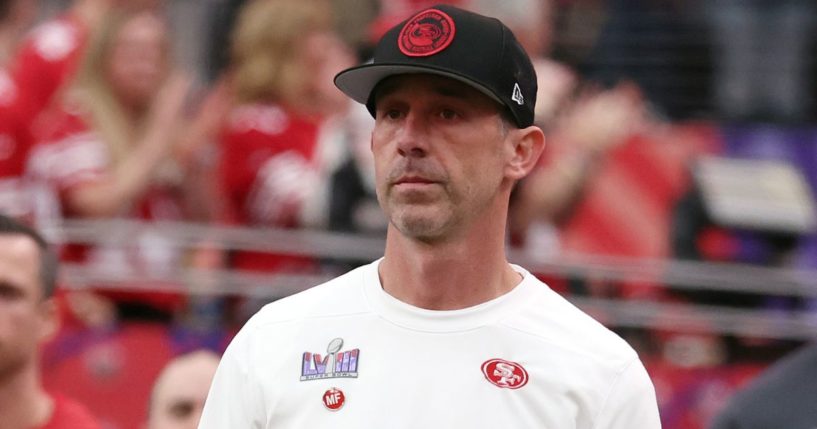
(584,131)
(51,52)
(35,69)
(276,153)
(781,397)
(15,198)
(442,323)
(120,124)
(28,318)
(180,390)
(584,122)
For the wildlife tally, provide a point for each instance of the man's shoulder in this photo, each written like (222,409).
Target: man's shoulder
(339,297)
(552,319)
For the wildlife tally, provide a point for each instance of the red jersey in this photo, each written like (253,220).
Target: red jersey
(16,194)
(71,154)
(12,154)
(46,59)
(626,205)
(268,172)
(69,414)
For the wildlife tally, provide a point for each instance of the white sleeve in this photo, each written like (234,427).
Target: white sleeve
(631,402)
(235,399)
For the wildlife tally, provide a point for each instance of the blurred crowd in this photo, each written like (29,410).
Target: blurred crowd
(642,102)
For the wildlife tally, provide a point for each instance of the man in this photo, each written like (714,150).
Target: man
(443,331)
(28,317)
(180,390)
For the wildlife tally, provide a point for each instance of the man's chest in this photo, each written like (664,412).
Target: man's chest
(375,378)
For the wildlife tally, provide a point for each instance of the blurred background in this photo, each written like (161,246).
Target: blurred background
(192,161)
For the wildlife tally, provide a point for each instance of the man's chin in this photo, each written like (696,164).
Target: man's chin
(423,227)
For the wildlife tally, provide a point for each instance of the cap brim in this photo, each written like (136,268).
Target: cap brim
(358,82)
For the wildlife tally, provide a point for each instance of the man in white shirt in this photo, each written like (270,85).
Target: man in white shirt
(442,332)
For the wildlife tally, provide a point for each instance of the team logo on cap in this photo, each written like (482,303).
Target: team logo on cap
(427,33)
(504,374)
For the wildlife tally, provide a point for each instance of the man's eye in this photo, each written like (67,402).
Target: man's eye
(392,114)
(181,409)
(9,292)
(448,114)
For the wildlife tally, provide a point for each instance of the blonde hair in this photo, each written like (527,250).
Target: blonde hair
(264,46)
(92,91)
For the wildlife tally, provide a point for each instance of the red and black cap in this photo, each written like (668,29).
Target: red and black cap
(448,41)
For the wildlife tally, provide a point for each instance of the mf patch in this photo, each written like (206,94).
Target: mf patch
(335,364)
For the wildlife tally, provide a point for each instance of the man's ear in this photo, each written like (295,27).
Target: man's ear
(527,145)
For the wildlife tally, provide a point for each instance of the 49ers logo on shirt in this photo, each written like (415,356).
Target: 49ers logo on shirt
(427,33)
(504,374)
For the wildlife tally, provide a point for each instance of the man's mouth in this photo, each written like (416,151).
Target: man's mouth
(414,180)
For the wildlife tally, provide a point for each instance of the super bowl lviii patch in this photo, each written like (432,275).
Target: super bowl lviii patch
(336,363)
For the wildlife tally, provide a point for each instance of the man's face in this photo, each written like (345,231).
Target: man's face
(440,151)
(179,394)
(24,315)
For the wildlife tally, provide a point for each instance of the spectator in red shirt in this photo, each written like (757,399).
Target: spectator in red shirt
(28,318)
(273,167)
(15,17)
(110,151)
(50,54)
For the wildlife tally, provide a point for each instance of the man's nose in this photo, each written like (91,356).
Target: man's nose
(412,137)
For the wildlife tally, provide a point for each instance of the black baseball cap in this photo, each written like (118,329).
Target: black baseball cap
(445,40)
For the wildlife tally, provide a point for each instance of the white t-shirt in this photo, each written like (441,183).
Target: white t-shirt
(348,355)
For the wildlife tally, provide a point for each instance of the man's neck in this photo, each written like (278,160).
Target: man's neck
(23,403)
(450,275)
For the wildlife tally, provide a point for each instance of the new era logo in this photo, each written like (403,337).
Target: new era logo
(517,95)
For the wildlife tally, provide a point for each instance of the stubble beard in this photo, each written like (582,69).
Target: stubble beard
(426,220)
(426,215)
(422,228)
